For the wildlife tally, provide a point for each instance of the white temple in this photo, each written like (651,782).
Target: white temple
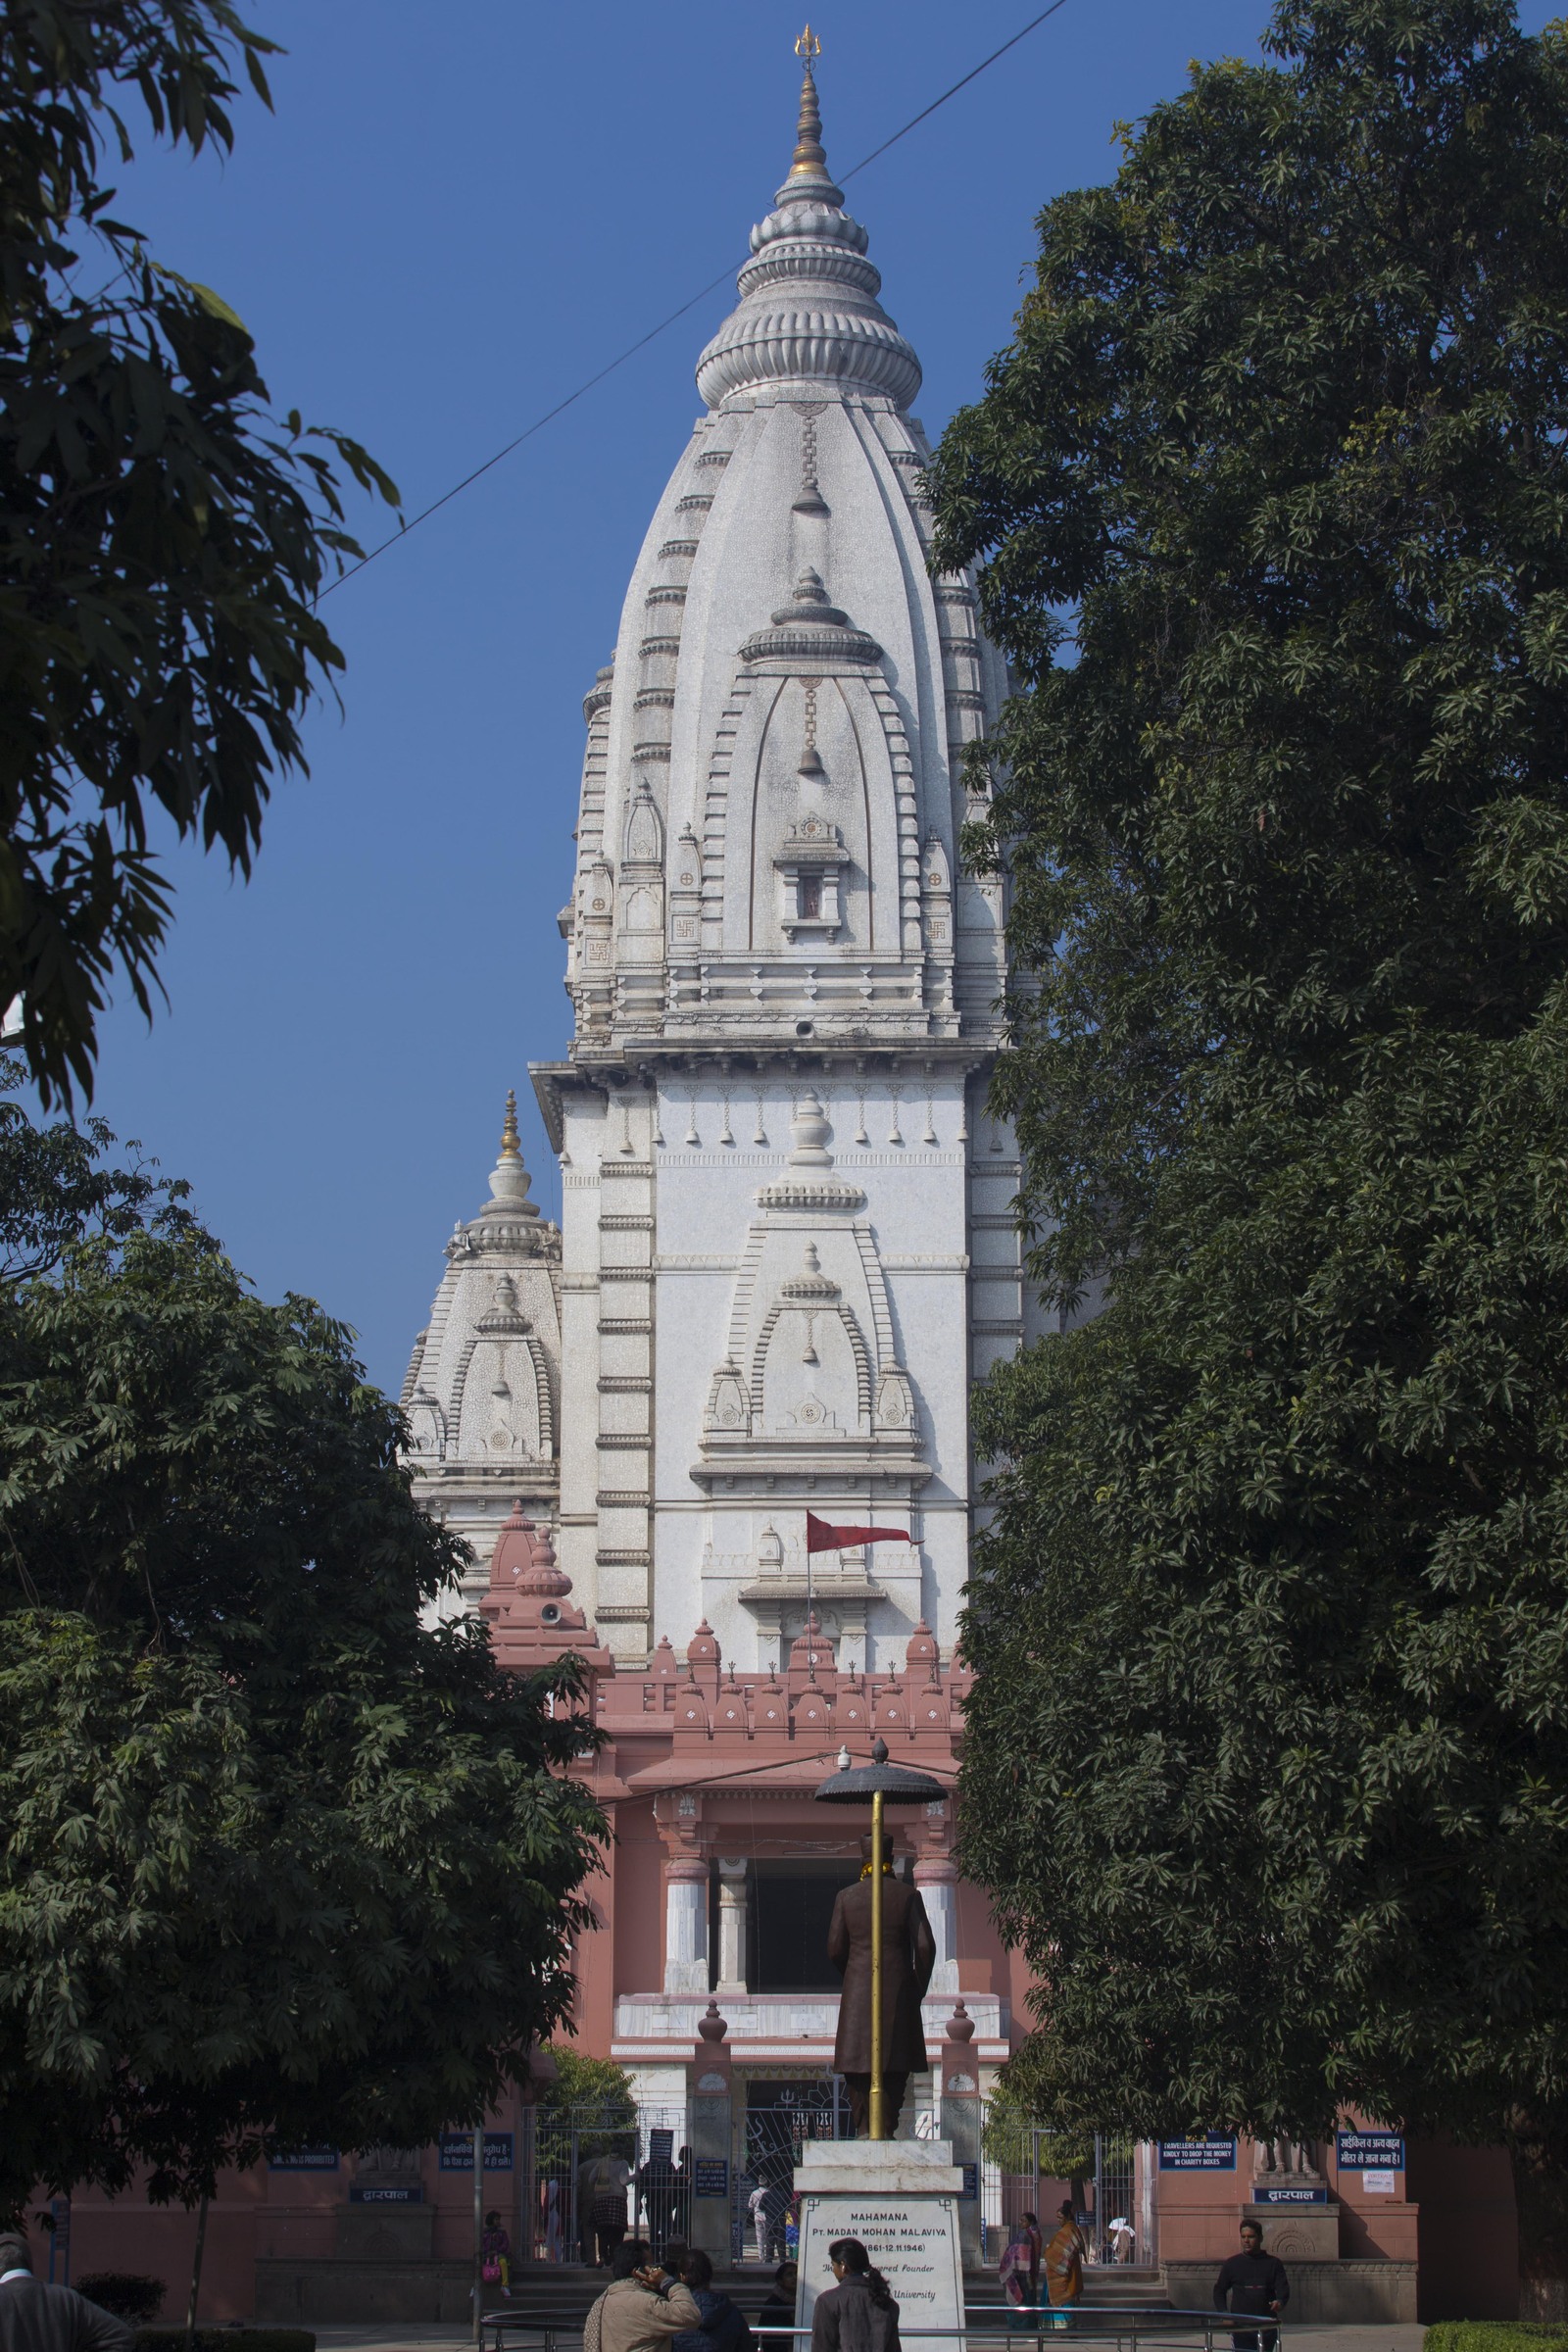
(787,1247)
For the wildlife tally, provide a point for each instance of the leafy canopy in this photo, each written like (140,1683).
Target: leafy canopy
(162,540)
(281,1861)
(1267,1758)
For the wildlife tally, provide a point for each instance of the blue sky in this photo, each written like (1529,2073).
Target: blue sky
(454,215)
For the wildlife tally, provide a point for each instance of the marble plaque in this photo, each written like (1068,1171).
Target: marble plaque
(913,2241)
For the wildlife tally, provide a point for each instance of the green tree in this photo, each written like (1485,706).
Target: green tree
(1267,1759)
(582,2081)
(280,1859)
(163,542)
(1013,2139)
(590,2097)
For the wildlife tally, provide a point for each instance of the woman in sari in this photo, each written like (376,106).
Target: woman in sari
(1016,2282)
(1064,2264)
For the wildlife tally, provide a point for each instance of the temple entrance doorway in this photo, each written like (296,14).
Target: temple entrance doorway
(792,1906)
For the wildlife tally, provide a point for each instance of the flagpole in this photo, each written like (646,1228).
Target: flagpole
(811,1610)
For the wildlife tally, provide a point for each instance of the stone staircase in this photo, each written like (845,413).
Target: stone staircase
(558,2295)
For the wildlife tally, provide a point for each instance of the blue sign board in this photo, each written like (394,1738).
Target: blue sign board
(661,2145)
(1264,2195)
(304,2160)
(1215,2152)
(398,2193)
(972,2181)
(1371,2151)
(710,2177)
(456,2151)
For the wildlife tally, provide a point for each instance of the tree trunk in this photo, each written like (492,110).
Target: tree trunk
(196,2272)
(1538,2152)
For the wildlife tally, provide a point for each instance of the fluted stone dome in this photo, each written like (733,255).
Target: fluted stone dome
(808,308)
(777,772)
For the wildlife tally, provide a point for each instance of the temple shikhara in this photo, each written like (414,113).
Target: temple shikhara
(787,1253)
(786,1249)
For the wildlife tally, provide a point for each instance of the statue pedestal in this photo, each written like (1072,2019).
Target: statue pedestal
(1300,2224)
(900,2197)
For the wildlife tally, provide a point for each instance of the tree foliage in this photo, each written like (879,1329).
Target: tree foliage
(1267,1758)
(280,1860)
(162,540)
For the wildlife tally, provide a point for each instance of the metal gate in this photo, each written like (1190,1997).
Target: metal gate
(592,2173)
(1023,2173)
(774,2125)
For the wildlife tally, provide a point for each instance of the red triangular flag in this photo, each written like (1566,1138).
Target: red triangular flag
(820,1537)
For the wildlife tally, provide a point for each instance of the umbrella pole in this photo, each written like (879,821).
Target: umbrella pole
(877,2123)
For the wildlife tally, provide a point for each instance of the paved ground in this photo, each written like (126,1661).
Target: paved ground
(1294,2339)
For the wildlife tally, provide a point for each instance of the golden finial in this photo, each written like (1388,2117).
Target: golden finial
(511,1143)
(810,159)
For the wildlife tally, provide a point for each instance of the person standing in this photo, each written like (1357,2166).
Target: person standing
(1036,2247)
(777,2314)
(602,2206)
(757,2208)
(1253,2283)
(856,2314)
(1013,2274)
(1064,2262)
(495,2254)
(36,2318)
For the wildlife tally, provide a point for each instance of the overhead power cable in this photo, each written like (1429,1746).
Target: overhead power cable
(396,538)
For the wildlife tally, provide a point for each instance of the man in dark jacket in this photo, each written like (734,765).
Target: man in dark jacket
(50,2318)
(1252,2281)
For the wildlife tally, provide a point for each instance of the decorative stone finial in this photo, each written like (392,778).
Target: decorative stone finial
(508,1178)
(960,2024)
(811,157)
(525,1559)
(808,1134)
(702,1647)
(714,2027)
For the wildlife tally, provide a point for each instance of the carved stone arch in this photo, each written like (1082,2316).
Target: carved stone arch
(716,798)
(643,842)
(546,1396)
(840,1313)
(759,1360)
(426,1415)
(502,1332)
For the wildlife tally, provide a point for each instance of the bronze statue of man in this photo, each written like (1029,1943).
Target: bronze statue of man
(908,1955)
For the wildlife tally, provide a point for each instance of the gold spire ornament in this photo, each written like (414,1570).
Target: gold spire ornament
(510,1142)
(811,157)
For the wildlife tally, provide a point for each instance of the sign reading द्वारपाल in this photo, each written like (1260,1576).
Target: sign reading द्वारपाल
(1215,2152)
(1375,2151)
